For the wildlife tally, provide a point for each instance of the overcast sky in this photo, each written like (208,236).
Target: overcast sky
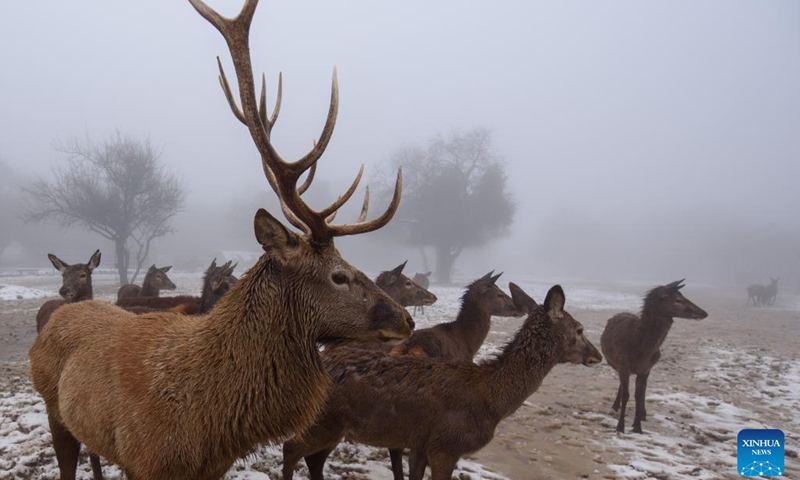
(605,108)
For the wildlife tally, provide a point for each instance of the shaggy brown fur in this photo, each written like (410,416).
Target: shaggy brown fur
(402,289)
(632,344)
(154,281)
(439,410)
(216,282)
(166,396)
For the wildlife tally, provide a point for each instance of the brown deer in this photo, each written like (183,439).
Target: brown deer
(167,396)
(770,292)
(217,280)
(76,286)
(461,338)
(402,289)
(154,281)
(756,292)
(439,410)
(424,281)
(632,344)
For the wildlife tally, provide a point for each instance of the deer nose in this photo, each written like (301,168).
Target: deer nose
(63,291)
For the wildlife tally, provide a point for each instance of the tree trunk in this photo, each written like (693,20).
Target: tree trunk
(445,260)
(123,259)
(425,265)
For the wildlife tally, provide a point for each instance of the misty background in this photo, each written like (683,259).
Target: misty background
(641,141)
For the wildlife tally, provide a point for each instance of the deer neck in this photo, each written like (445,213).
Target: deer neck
(524,363)
(260,365)
(148,290)
(472,324)
(655,326)
(88,294)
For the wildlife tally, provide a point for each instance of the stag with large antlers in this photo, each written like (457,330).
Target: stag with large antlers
(166,396)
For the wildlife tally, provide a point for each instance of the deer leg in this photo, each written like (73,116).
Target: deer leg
(67,449)
(641,386)
(624,380)
(442,466)
(615,407)
(396,455)
(417,461)
(316,463)
(644,391)
(94,459)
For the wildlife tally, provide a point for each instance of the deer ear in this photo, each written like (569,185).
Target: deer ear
(271,233)
(94,262)
(397,271)
(213,264)
(428,274)
(554,301)
(57,262)
(522,300)
(166,269)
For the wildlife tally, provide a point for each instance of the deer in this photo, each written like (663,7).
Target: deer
(756,292)
(770,292)
(439,410)
(76,286)
(632,343)
(169,396)
(423,280)
(402,289)
(154,281)
(217,280)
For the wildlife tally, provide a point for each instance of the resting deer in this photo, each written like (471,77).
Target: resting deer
(424,281)
(155,280)
(167,396)
(439,410)
(402,289)
(76,286)
(632,344)
(217,280)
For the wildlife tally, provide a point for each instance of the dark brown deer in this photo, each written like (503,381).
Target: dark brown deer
(402,289)
(154,281)
(76,286)
(632,344)
(217,280)
(770,292)
(439,410)
(424,281)
(461,338)
(755,292)
(168,396)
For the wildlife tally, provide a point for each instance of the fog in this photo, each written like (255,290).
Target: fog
(643,141)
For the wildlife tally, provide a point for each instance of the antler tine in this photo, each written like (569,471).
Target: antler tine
(310,177)
(372,225)
(365,207)
(345,197)
(262,106)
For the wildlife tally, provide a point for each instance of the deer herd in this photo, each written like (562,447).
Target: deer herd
(304,349)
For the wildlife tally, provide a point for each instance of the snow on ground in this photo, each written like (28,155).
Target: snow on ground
(16,292)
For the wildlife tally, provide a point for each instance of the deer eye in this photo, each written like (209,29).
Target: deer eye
(580,331)
(339,278)
(408,283)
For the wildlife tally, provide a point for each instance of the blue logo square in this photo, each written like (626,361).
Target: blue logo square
(760,453)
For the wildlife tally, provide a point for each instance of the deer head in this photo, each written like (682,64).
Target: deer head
(669,301)
(76,280)
(157,278)
(577,348)
(354,306)
(487,294)
(402,289)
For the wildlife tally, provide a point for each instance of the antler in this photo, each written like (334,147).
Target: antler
(282,175)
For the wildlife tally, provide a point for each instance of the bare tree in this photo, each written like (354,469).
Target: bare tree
(455,196)
(118,189)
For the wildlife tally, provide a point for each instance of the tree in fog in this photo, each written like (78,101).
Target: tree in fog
(7,212)
(118,189)
(455,196)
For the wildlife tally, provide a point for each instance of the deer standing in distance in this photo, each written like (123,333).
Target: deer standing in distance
(217,280)
(770,292)
(632,343)
(439,410)
(402,289)
(755,292)
(167,396)
(424,281)
(154,281)
(76,286)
